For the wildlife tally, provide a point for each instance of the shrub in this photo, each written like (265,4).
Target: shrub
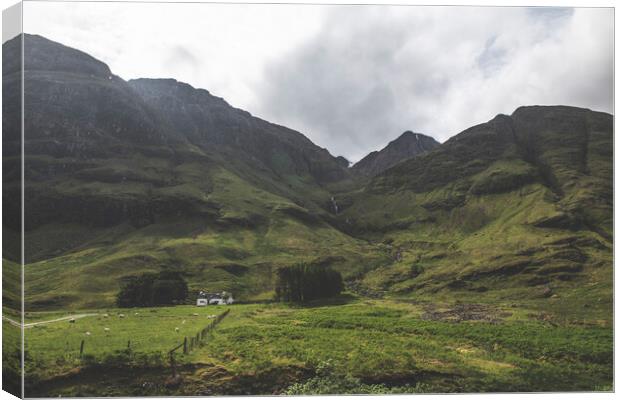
(330,379)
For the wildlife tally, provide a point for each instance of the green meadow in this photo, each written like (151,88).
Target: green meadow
(351,345)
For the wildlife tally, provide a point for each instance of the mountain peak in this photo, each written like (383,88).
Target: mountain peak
(408,145)
(411,136)
(42,54)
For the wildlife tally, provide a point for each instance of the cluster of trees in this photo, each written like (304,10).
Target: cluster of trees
(303,282)
(152,289)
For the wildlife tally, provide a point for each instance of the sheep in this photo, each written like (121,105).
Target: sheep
(183,321)
(176,329)
(87,333)
(195,314)
(106,315)
(72,320)
(137,313)
(106,330)
(121,315)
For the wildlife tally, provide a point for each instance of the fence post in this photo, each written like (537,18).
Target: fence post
(185,345)
(172,365)
(81,347)
(129,344)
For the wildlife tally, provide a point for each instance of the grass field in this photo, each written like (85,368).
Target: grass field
(350,346)
(146,329)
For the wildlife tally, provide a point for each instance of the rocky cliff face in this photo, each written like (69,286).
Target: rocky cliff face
(406,146)
(76,98)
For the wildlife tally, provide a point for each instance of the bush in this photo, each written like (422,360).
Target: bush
(151,289)
(330,379)
(302,282)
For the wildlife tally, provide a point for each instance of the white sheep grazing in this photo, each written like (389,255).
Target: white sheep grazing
(87,333)
(195,314)
(136,313)
(176,329)
(72,320)
(121,315)
(106,330)
(106,315)
(183,321)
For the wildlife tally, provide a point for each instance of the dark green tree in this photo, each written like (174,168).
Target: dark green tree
(302,282)
(165,288)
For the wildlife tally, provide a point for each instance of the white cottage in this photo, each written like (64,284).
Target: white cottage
(205,299)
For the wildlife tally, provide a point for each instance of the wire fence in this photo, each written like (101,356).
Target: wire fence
(192,342)
(82,351)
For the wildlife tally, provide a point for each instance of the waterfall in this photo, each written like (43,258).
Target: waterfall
(334,205)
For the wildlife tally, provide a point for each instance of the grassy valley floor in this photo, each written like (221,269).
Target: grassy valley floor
(351,345)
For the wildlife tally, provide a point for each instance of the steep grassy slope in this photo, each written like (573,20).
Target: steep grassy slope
(518,207)
(221,230)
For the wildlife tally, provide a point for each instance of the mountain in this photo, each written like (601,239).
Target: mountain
(517,205)
(128,177)
(407,145)
(147,175)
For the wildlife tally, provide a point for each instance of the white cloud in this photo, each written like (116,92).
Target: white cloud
(353,78)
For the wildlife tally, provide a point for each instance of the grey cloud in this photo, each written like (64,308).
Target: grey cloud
(180,57)
(550,13)
(492,57)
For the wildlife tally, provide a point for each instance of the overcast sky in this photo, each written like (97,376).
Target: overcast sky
(352,78)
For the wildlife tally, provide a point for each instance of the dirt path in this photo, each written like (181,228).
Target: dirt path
(31,324)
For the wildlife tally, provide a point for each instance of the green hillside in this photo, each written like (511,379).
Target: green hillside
(517,208)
